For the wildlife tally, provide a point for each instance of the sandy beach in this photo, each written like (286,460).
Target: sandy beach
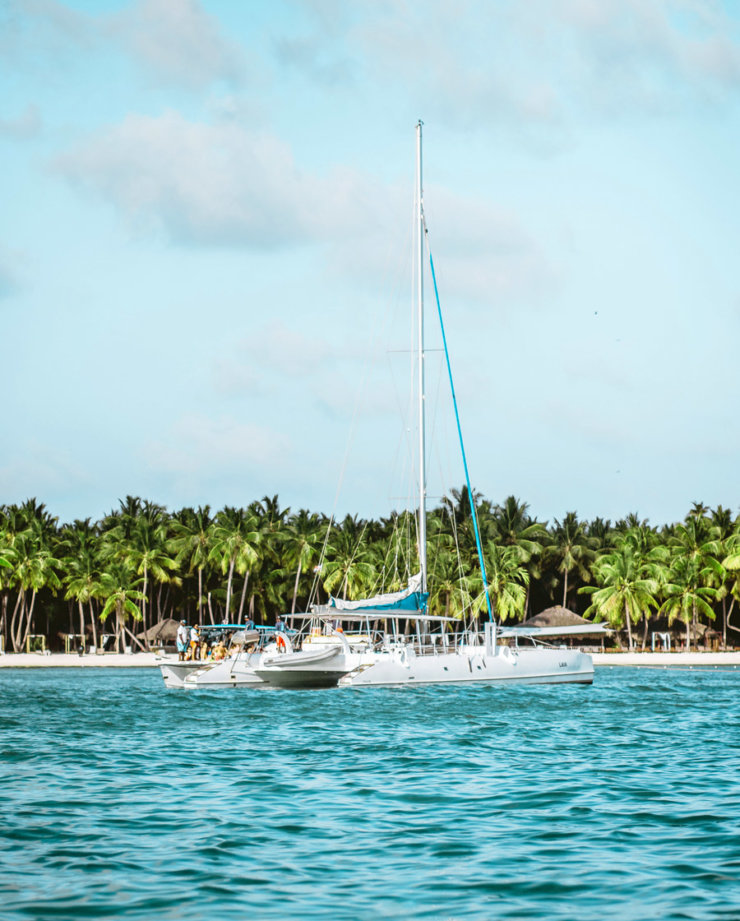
(601,659)
(61,660)
(669,659)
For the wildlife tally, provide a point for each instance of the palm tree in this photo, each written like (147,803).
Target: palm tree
(508,580)
(80,569)
(234,541)
(694,567)
(514,527)
(731,566)
(119,594)
(147,553)
(626,587)
(191,543)
(687,593)
(35,569)
(304,538)
(458,503)
(571,550)
(348,568)
(724,529)
(451,592)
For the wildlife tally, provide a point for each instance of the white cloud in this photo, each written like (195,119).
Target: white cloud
(214,184)
(23,126)
(177,42)
(531,65)
(35,469)
(222,184)
(209,445)
(8,272)
(174,42)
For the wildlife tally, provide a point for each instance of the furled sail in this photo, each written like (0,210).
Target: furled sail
(410,598)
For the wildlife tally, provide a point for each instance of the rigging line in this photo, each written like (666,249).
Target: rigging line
(459,432)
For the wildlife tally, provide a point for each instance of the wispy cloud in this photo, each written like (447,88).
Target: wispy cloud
(530,65)
(215,184)
(9,280)
(173,42)
(177,42)
(206,445)
(224,185)
(27,124)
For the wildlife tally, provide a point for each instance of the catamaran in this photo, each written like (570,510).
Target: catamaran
(402,643)
(246,650)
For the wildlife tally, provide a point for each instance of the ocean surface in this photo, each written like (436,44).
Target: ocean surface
(120,799)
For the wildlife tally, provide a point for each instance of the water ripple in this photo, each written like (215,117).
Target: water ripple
(122,800)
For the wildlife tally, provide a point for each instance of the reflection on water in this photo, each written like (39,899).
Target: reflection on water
(618,801)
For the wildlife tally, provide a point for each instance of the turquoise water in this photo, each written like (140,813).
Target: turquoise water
(123,800)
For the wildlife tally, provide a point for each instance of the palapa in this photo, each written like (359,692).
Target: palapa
(557,616)
(163,632)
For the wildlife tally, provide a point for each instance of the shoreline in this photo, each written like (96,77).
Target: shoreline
(668,659)
(149,660)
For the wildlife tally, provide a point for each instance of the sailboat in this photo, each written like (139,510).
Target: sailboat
(405,644)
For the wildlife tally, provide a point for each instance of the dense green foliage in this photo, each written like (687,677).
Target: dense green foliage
(141,564)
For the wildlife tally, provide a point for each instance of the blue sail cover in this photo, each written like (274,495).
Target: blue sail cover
(410,598)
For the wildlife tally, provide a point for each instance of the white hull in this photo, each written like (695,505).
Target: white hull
(535,665)
(228,673)
(311,670)
(403,666)
(175,672)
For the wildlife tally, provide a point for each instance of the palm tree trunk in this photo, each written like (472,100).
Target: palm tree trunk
(19,604)
(565,588)
(724,623)
(200,595)
(228,590)
(244,595)
(729,615)
(4,620)
(82,623)
(119,628)
(210,609)
(94,626)
(645,630)
(295,587)
(29,616)
(144,600)
(134,639)
(629,626)
(163,606)
(688,633)
(694,625)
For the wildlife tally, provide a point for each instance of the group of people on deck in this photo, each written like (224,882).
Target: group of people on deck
(191,645)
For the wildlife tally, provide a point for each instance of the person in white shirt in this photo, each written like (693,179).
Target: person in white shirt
(182,640)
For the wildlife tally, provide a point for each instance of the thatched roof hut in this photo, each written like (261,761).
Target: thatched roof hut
(557,616)
(165,632)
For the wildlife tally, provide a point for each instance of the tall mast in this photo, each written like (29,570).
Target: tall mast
(420,295)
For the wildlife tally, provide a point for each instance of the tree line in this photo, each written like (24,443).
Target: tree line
(142,563)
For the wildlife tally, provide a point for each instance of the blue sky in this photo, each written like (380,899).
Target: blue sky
(205,251)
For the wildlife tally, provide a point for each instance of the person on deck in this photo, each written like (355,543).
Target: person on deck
(280,626)
(194,643)
(182,640)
